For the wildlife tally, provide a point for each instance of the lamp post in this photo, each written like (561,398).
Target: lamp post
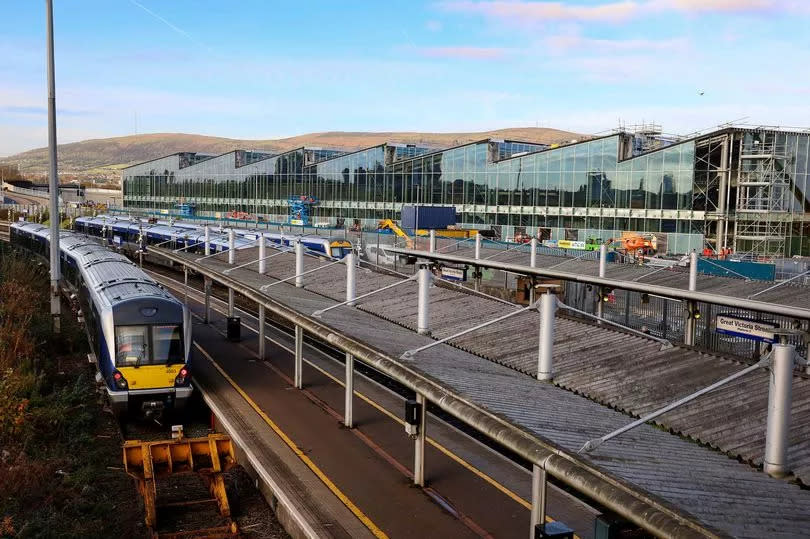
(53,177)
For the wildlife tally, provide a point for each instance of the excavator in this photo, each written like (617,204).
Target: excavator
(461,233)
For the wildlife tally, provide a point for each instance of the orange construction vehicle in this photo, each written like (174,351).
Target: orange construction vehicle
(635,245)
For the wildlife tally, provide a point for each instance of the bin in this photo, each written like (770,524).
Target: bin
(234,328)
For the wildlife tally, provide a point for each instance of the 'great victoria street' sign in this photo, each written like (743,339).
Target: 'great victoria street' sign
(736,326)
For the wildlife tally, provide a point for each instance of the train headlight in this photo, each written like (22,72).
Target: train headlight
(183,377)
(120,381)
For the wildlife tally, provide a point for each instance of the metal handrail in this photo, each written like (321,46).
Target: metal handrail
(657,290)
(636,505)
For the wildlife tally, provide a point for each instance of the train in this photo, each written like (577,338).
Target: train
(122,230)
(139,334)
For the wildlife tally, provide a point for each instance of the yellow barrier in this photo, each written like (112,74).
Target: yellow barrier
(208,457)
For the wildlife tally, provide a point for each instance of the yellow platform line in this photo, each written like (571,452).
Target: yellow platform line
(367,522)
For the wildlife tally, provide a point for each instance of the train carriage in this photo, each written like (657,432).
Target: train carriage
(140,334)
(192,236)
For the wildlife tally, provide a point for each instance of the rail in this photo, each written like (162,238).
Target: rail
(639,507)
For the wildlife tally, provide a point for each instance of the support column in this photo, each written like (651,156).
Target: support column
(432,244)
(780,397)
(690,322)
(299,357)
(419,444)
(231,246)
(548,308)
(477,269)
(262,255)
(602,270)
(231,306)
(262,325)
(207,287)
(351,279)
(538,512)
(693,264)
(423,319)
(185,285)
(348,410)
(299,264)
(207,241)
(533,254)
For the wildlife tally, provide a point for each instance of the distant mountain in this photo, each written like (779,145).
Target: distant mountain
(104,157)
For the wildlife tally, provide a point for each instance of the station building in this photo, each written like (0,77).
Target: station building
(739,188)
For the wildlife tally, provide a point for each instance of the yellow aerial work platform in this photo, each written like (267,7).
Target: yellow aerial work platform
(208,457)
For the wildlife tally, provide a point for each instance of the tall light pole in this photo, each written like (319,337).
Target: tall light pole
(53,179)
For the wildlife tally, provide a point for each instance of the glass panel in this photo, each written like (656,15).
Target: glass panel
(131,345)
(168,344)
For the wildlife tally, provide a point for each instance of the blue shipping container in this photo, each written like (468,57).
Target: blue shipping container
(430,217)
(730,268)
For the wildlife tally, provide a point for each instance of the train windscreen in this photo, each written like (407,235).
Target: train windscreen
(148,345)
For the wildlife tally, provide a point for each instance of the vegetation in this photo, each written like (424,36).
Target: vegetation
(60,471)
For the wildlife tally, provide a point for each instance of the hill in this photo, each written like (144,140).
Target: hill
(105,157)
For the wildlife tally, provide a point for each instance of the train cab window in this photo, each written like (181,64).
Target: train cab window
(131,345)
(168,344)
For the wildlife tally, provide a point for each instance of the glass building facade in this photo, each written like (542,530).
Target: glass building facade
(598,187)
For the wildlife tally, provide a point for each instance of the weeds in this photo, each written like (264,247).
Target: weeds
(58,477)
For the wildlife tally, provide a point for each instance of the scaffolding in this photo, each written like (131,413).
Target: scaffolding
(763,214)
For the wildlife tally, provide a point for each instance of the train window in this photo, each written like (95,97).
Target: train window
(131,345)
(168,344)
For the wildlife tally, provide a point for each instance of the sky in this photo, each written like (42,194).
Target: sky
(266,69)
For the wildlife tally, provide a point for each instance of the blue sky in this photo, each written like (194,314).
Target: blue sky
(263,69)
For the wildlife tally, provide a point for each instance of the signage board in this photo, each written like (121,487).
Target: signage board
(299,222)
(117,240)
(568,244)
(737,326)
(454,274)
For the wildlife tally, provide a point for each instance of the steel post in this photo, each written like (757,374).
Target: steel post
(602,270)
(419,443)
(432,244)
(262,325)
(207,287)
(299,264)
(262,255)
(533,254)
(548,308)
(689,323)
(348,419)
(351,279)
(299,357)
(423,319)
(231,306)
(693,264)
(53,179)
(207,241)
(780,397)
(231,246)
(477,245)
(539,491)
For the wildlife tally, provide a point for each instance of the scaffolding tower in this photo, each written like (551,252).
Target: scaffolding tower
(763,213)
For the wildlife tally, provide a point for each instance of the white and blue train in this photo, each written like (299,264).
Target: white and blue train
(121,230)
(140,334)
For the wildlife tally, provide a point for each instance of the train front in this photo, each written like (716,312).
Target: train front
(150,370)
